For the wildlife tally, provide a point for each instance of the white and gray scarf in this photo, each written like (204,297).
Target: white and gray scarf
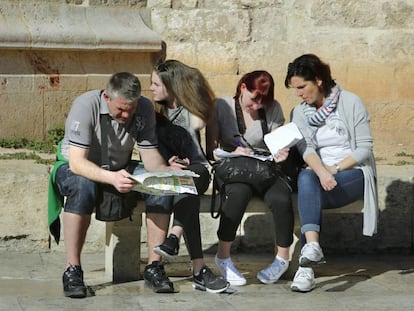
(316,118)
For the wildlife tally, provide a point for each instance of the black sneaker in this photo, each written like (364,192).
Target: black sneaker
(169,248)
(155,277)
(73,285)
(207,281)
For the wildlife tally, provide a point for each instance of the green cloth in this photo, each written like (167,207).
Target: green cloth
(54,198)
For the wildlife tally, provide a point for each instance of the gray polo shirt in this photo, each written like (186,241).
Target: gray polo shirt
(82,129)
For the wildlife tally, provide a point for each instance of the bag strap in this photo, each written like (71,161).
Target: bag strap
(263,122)
(104,121)
(241,125)
(221,192)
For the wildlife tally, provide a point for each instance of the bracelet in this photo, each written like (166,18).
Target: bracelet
(338,168)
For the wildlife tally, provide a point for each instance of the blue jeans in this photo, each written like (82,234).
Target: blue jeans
(79,191)
(312,198)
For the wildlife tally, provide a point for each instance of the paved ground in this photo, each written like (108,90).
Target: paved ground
(32,281)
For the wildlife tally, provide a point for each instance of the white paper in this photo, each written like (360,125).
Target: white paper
(284,136)
(164,183)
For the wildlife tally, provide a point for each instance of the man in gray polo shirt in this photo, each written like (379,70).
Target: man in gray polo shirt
(132,121)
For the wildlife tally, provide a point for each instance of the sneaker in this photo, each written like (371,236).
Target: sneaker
(311,254)
(304,280)
(207,281)
(155,278)
(169,248)
(229,272)
(73,285)
(273,272)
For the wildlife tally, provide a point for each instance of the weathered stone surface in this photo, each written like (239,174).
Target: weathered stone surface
(23,225)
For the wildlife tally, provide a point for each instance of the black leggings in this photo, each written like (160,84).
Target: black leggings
(277,197)
(186,208)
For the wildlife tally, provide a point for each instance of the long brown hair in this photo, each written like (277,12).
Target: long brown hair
(187,86)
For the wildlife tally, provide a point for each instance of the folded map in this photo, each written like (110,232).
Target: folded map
(164,183)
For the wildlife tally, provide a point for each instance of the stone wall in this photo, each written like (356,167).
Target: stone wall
(369,45)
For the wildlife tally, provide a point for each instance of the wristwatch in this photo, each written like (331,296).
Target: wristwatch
(338,168)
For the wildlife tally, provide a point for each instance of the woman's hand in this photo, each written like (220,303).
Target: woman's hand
(176,163)
(242,150)
(331,168)
(327,180)
(281,155)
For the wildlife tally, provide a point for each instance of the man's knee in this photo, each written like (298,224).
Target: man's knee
(82,196)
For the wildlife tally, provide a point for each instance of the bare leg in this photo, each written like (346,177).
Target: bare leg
(312,236)
(283,252)
(178,231)
(75,228)
(223,250)
(157,228)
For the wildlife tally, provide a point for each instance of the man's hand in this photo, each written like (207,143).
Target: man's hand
(122,182)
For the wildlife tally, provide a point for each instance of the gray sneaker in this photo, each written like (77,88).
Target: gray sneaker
(206,280)
(311,254)
(304,280)
(169,248)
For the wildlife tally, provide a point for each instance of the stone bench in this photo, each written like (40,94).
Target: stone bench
(123,238)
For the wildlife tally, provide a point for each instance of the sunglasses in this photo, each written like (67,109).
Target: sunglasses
(161,67)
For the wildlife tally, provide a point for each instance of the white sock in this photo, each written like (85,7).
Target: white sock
(221,260)
(284,261)
(314,243)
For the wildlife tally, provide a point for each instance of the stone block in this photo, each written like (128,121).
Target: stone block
(123,249)
(200,25)
(402,91)
(371,82)
(23,205)
(224,61)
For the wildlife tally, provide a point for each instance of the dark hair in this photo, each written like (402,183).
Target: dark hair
(310,68)
(259,80)
(124,84)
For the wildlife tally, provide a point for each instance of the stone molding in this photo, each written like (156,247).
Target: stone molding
(65,27)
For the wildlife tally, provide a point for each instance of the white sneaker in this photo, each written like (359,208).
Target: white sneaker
(229,272)
(311,254)
(273,272)
(304,280)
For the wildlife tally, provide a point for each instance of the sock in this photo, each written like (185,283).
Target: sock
(220,260)
(314,243)
(283,261)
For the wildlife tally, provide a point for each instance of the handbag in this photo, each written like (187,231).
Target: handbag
(248,170)
(112,205)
